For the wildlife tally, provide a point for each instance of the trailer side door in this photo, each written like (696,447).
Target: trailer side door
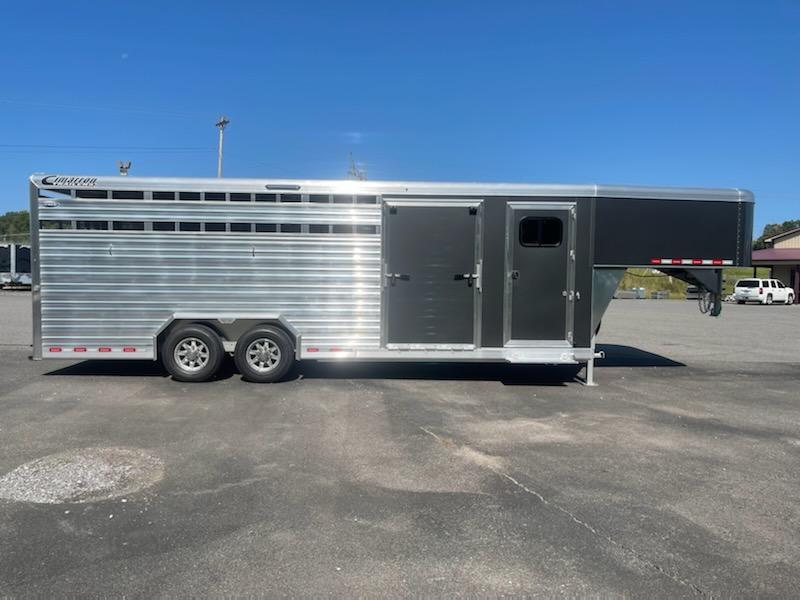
(431,274)
(540,266)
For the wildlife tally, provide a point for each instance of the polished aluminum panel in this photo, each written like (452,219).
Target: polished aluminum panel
(115,289)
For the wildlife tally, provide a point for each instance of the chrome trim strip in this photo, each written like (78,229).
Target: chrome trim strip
(413,188)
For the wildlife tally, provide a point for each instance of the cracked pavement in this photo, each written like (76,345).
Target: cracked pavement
(676,477)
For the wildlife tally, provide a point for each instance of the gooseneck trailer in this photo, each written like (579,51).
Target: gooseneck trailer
(186,270)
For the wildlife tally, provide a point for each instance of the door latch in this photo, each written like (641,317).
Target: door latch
(395,276)
(470,278)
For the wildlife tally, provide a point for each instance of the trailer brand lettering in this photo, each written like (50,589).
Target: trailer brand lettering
(70,181)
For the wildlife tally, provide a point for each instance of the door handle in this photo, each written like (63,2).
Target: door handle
(515,274)
(395,276)
(470,278)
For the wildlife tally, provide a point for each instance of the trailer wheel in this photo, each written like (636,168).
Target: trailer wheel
(192,353)
(264,354)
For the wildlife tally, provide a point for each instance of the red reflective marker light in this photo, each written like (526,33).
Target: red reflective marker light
(312,349)
(79,349)
(655,261)
(716,261)
(677,261)
(335,349)
(697,261)
(129,349)
(54,349)
(104,349)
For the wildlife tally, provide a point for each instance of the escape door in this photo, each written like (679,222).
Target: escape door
(540,257)
(431,274)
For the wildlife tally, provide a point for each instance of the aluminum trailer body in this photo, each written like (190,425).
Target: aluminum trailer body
(361,270)
(15,265)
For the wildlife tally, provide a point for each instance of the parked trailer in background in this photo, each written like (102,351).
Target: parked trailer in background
(273,271)
(15,265)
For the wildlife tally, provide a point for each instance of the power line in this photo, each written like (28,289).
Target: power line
(104,147)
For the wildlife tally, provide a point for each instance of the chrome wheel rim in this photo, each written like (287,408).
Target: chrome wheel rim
(191,354)
(263,355)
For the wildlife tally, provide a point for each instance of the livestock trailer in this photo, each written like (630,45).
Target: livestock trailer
(185,269)
(15,265)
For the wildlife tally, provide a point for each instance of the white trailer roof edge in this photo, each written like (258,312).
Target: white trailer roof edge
(387,188)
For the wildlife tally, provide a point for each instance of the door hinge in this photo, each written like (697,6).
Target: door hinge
(473,210)
(392,210)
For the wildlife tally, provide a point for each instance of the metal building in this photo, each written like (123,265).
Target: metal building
(276,270)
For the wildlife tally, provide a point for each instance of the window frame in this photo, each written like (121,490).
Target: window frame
(542,219)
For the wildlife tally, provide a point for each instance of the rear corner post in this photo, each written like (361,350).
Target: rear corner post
(36,290)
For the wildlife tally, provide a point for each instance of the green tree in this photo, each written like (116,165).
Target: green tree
(15,227)
(774,229)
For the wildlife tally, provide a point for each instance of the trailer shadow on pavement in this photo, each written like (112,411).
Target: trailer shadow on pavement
(507,374)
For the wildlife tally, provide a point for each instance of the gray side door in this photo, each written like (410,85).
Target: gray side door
(431,273)
(539,292)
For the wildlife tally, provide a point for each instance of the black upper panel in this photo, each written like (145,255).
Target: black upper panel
(632,232)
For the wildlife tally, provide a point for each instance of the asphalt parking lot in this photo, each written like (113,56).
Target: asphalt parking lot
(676,477)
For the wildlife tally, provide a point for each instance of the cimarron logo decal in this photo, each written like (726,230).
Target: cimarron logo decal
(69,181)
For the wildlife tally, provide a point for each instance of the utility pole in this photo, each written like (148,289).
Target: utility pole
(223,121)
(355,172)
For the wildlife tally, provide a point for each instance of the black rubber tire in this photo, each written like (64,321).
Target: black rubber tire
(206,335)
(280,339)
(790,300)
(769,299)
(740,302)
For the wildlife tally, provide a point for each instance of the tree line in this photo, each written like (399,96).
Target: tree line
(15,227)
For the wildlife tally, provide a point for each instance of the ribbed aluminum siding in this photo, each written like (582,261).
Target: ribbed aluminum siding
(117,288)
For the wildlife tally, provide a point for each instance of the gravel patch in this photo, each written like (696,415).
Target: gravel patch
(85,475)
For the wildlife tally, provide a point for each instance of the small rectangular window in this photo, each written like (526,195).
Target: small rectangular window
(91,193)
(290,197)
(366,200)
(128,226)
(163,226)
(290,228)
(127,195)
(266,197)
(339,199)
(215,226)
(163,195)
(98,225)
(55,224)
(342,229)
(241,227)
(215,196)
(541,231)
(189,195)
(367,229)
(314,228)
(189,226)
(240,197)
(266,227)
(319,198)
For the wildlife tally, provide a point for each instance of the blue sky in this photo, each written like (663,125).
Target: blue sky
(642,92)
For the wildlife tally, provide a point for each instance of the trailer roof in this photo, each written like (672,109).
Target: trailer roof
(386,188)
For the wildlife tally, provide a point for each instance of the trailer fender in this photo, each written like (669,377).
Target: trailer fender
(229,326)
